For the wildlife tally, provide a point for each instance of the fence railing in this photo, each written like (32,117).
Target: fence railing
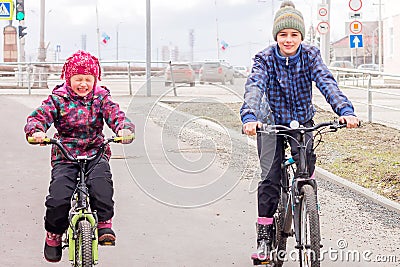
(377,91)
(41,75)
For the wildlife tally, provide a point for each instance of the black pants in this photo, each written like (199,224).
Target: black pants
(271,151)
(62,185)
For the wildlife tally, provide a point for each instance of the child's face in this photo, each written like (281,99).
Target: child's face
(288,41)
(82,84)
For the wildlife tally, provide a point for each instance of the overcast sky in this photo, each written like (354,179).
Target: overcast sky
(245,25)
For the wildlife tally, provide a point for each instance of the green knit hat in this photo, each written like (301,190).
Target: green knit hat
(288,17)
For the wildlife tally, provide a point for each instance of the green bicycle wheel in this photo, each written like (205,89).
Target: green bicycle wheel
(83,245)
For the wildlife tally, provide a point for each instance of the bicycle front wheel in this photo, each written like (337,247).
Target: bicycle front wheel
(83,245)
(309,228)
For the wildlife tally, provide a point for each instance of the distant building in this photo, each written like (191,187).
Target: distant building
(391,40)
(170,53)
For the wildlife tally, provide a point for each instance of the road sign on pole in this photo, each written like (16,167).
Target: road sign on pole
(6,9)
(355,15)
(355,27)
(323,12)
(355,5)
(356,41)
(323,27)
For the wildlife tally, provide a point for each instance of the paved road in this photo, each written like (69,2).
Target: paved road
(151,233)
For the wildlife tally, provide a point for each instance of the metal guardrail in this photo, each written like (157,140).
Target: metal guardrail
(38,75)
(378,86)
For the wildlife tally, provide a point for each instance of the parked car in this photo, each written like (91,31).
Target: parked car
(240,71)
(373,67)
(181,73)
(216,71)
(342,64)
(196,66)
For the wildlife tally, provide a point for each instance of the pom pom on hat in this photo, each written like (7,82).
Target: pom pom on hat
(287,3)
(288,17)
(81,62)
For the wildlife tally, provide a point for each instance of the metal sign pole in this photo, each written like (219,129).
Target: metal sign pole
(148,48)
(325,38)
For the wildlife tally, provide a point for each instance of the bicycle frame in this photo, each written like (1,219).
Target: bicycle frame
(80,210)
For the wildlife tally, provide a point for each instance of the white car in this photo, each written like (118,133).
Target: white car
(240,71)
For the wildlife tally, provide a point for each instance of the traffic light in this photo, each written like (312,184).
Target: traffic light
(21,32)
(20,10)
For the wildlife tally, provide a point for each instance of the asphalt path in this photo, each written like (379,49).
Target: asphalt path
(154,226)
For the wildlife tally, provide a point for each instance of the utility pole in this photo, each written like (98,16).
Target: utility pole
(42,48)
(380,37)
(148,48)
(216,21)
(191,44)
(98,32)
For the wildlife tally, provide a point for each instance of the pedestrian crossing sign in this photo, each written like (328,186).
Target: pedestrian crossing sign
(6,9)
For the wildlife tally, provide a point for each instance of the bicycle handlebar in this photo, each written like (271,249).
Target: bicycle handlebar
(333,125)
(67,154)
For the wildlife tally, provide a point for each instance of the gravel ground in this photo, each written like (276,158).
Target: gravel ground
(344,214)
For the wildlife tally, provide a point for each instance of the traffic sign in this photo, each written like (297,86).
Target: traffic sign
(6,9)
(355,15)
(323,27)
(323,12)
(355,27)
(355,5)
(356,40)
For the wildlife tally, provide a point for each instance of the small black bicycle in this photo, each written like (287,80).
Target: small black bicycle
(298,204)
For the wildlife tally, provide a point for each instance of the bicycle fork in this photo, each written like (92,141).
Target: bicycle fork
(72,234)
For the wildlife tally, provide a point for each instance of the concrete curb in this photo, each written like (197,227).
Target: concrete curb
(385,202)
(321,173)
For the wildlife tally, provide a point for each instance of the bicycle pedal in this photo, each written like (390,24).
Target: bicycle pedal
(107,243)
(263,262)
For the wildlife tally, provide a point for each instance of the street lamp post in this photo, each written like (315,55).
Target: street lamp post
(380,36)
(42,49)
(373,45)
(117,40)
(216,22)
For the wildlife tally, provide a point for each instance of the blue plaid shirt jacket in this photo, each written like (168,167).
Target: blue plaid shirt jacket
(279,89)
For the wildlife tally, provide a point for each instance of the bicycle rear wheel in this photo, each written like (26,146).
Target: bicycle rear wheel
(309,228)
(83,245)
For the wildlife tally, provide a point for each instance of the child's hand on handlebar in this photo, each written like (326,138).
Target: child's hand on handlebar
(39,137)
(351,121)
(127,136)
(250,128)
